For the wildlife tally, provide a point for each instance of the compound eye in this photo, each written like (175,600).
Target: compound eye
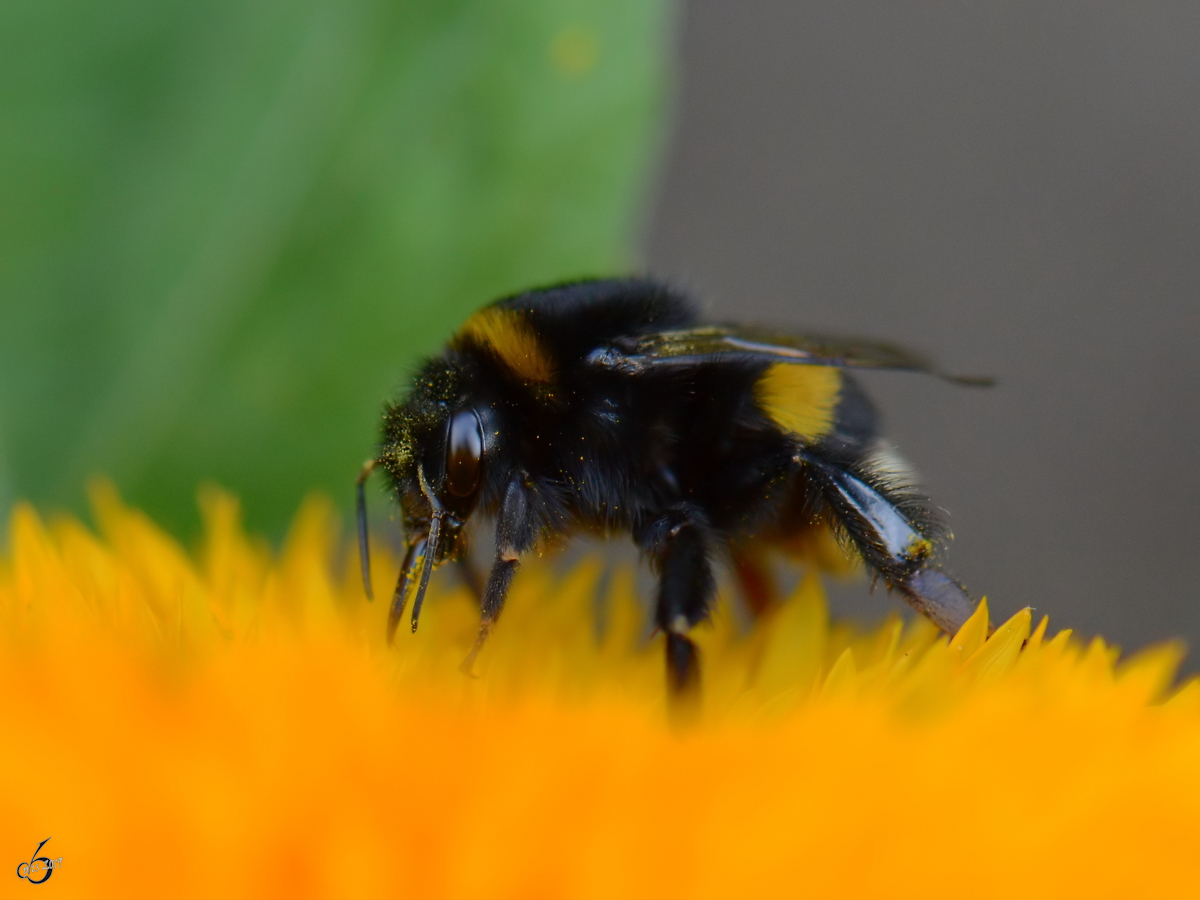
(464,453)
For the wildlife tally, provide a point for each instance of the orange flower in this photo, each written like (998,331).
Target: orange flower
(230,723)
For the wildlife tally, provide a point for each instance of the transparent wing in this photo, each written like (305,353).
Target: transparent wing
(697,345)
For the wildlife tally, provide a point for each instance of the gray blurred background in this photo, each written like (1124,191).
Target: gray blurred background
(1013,189)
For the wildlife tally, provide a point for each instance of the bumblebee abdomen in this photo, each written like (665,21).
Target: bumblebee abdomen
(800,400)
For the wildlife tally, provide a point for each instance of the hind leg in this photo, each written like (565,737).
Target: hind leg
(895,535)
(759,592)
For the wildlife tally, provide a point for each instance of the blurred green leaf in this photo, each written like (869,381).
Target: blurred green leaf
(227,229)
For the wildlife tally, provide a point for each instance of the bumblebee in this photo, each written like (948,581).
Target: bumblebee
(607,406)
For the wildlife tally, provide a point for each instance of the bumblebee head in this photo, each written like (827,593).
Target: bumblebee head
(433,449)
(434,453)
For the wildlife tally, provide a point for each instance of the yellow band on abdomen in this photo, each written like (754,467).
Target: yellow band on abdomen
(800,399)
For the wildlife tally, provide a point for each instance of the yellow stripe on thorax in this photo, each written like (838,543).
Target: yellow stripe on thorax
(506,333)
(800,399)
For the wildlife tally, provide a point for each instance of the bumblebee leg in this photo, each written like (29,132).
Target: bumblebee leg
(893,542)
(939,597)
(516,532)
(677,544)
(754,579)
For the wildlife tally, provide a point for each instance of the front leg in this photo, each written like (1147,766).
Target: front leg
(517,527)
(678,544)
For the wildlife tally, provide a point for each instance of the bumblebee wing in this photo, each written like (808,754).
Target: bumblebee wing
(697,345)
